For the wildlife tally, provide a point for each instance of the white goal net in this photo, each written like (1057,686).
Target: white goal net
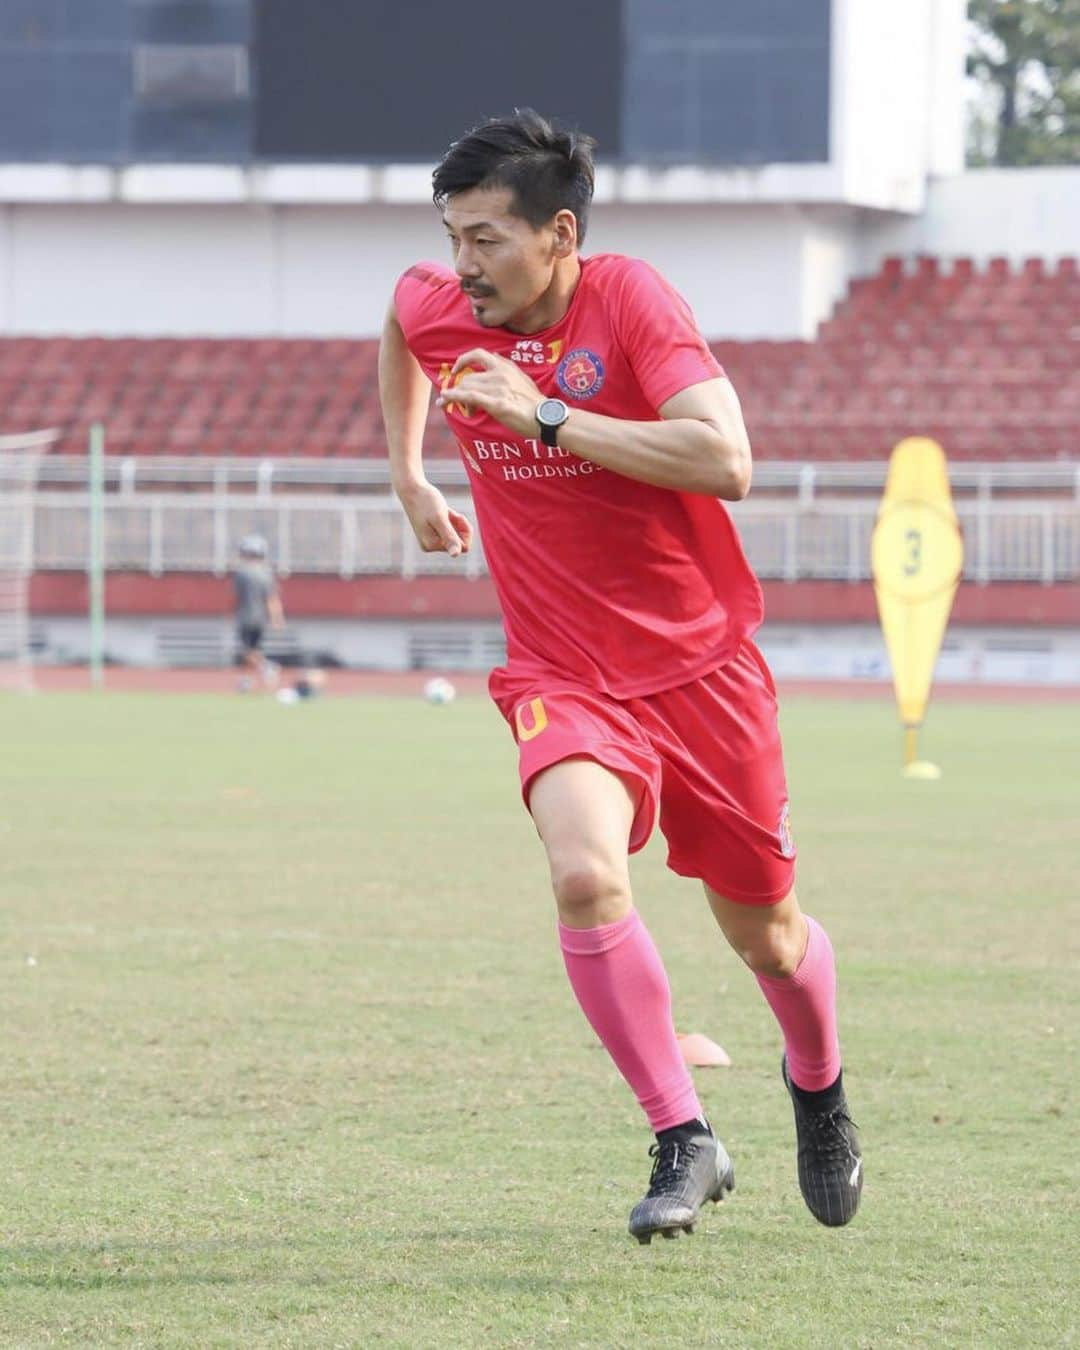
(19,456)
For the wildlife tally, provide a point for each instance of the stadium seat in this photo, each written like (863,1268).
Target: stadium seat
(985,358)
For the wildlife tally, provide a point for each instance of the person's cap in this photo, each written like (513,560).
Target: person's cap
(253,546)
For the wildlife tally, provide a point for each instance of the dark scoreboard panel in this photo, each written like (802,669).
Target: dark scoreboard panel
(397,80)
(116,81)
(655,81)
(727,81)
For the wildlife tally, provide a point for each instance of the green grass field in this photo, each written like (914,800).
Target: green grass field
(289,1058)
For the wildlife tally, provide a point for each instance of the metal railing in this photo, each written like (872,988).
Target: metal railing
(131,475)
(354,535)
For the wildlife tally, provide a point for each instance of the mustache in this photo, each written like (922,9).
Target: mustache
(478,291)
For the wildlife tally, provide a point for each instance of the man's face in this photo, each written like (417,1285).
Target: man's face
(505,266)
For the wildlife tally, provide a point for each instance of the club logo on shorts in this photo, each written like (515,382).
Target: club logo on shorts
(783,833)
(530,719)
(580,373)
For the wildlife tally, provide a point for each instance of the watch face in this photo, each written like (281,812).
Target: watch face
(552,412)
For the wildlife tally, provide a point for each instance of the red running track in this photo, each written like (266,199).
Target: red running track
(126,679)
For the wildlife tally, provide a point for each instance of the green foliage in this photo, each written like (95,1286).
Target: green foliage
(289,1058)
(1029,52)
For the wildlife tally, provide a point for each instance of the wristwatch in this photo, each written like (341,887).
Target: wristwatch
(551,413)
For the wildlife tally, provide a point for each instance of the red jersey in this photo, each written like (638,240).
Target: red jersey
(604,581)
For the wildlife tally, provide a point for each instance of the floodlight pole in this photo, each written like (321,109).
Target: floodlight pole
(96,561)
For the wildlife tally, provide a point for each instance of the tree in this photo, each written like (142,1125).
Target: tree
(1026,54)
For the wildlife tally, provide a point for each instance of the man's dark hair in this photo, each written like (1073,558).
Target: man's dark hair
(546,168)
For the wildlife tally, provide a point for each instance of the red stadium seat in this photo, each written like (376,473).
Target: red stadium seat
(983,358)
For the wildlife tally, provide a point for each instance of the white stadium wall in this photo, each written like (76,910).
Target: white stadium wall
(215,270)
(329,270)
(750,270)
(987,213)
(747,271)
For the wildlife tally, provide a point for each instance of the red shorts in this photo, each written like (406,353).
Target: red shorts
(707,754)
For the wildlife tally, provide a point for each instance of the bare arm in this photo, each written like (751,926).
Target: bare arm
(404,393)
(700,445)
(276,609)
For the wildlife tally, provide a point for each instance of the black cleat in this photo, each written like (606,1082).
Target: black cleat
(687,1171)
(830,1160)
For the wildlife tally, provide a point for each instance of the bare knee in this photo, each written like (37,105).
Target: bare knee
(589,891)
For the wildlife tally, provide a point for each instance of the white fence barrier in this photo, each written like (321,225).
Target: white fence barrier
(133,475)
(787,539)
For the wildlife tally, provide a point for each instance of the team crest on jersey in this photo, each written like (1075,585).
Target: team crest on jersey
(580,373)
(783,833)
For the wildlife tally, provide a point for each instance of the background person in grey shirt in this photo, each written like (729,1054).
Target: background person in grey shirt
(257,604)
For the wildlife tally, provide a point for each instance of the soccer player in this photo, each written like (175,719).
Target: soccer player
(600,434)
(258,603)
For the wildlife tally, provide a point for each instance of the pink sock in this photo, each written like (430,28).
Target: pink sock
(619,980)
(805,1007)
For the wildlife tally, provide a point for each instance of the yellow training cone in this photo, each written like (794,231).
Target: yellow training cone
(917,555)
